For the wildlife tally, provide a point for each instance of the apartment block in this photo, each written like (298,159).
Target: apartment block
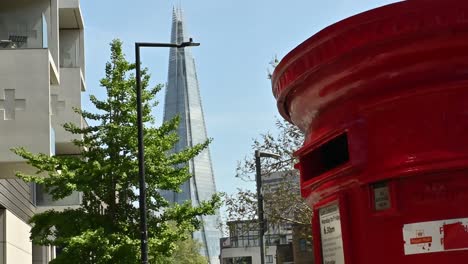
(41,81)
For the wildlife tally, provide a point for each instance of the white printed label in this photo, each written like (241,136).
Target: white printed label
(436,236)
(381,198)
(331,237)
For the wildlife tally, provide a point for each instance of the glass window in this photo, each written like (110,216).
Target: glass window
(269,259)
(45,39)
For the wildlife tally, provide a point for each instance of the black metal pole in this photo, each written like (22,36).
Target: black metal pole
(141,153)
(141,160)
(261,222)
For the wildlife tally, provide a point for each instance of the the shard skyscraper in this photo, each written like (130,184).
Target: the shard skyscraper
(183,99)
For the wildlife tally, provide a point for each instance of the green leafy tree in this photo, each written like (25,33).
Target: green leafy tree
(186,251)
(105,229)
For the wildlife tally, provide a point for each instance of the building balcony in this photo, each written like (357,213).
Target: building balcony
(23,33)
(64,100)
(44,201)
(25,76)
(71,48)
(67,96)
(70,14)
(29,24)
(71,35)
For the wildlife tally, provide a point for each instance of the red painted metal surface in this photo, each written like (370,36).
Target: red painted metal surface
(393,84)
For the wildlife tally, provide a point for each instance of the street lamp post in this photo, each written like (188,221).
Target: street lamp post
(141,154)
(258,179)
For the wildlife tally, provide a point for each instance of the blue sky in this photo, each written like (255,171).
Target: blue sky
(238,40)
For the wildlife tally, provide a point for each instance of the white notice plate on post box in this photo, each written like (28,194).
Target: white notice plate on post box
(331,237)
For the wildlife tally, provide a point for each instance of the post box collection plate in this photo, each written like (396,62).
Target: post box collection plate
(331,235)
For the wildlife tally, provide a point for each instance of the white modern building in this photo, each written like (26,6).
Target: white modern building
(41,80)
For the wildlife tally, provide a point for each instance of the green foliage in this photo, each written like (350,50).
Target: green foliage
(105,229)
(186,251)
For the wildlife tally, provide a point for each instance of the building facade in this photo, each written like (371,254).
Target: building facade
(281,246)
(284,242)
(242,245)
(41,80)
(183,100)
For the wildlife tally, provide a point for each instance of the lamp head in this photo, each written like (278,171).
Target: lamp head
(190,43)
(263,154)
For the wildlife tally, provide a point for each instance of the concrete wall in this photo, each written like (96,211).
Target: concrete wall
(14,239)
(63,100)
(27,123)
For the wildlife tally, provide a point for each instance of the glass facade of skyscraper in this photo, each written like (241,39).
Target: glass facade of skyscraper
(183,99)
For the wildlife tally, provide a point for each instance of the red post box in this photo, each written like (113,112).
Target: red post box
(383,99)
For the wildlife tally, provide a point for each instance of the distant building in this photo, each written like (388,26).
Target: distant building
(242,245)
(41,80)
(183,99)
(285,243)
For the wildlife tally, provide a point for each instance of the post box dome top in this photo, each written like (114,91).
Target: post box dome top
(339,58)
